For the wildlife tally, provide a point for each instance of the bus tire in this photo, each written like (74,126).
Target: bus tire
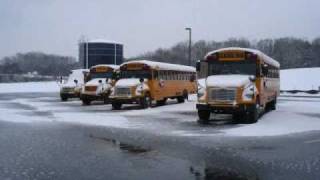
(238,117)
(146,101)
(185,94)
(203,116)
(180,99)
(64,98)
(86,102)
(253,116)
(116,106)
(273,104)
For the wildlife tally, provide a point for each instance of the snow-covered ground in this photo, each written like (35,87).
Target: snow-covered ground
(300,79)
(293,115)
(25,87)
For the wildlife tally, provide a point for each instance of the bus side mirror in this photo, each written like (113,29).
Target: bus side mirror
(198,66)
(75,81)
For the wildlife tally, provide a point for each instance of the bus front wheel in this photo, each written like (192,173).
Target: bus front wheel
(252,116)
(86,102)
(203,116)
(64,98)
(146,101)
(116,106)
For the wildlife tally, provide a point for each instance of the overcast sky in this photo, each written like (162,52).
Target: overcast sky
(55,26)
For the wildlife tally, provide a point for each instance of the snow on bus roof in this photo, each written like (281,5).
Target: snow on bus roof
(266,58)
(103,41)
(106,65)
(80,70)
(164,66)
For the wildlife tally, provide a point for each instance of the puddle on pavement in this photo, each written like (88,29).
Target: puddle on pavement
(226,174)
(123,146)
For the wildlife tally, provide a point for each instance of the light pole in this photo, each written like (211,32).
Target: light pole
(189,51)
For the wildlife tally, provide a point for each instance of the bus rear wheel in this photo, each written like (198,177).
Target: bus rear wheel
(203,116)
(180,99)
(116,106)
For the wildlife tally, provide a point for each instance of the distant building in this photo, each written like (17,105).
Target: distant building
(100,51)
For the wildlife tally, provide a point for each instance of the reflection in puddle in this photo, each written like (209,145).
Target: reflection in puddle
(225,174)
(123,146)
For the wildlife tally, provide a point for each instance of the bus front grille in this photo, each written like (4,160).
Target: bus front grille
(222,95)
(90,88)
(122,92)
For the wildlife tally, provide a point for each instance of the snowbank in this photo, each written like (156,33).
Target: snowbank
(300,79)
(27,87)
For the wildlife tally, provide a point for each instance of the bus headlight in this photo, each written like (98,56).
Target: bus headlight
(248,93)
(112,91)
(201,93)
(139,90)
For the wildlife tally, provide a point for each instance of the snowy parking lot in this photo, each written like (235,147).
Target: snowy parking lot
(293,115)
(283,143)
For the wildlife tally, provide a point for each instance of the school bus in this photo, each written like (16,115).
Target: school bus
(100,80)
(143,81)
(238,81)
(71,88)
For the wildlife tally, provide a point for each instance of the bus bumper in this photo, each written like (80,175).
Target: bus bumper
(226,109)
(69,95)
(102,97)
(135,100)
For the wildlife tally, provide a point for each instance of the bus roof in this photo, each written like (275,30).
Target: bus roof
(263,56)
(80,70)
(163,66)
(115,67)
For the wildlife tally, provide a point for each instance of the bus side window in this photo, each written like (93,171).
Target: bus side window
(155,75)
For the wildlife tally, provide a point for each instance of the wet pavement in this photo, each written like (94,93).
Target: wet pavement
(52,149)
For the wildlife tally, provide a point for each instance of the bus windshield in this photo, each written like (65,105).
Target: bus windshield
(108,75)
(135,74)
(232,67)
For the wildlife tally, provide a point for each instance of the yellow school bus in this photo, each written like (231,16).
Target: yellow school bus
(98,83)
(144,81)
(238,81)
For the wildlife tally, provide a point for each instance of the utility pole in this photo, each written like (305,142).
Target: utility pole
(189,51)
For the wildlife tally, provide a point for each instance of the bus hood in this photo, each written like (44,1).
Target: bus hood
(95,82)
(128,82)
(235,80)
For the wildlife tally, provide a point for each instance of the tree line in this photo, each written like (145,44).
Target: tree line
(39,63)
(290,52)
